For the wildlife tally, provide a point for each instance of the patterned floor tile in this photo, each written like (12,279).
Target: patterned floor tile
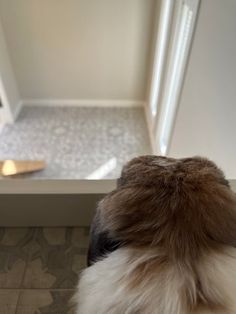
(76,142)
(58,258)
(45,302)
(14,254)
(8,301)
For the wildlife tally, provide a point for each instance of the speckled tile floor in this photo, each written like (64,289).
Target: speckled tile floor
(39,269)
(76,143)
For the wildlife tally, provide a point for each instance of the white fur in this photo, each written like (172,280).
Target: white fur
(103,287)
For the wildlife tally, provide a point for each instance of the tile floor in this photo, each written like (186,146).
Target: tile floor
(76,143)
(39,269)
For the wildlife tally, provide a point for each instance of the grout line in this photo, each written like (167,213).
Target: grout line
(17,303)
(23,276)
(18,298)
(32,236)
(28,257)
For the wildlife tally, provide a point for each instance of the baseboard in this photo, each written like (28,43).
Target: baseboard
(83,102)
(17,110)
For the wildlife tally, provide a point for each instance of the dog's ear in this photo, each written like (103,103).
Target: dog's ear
(125,212)
(101,243)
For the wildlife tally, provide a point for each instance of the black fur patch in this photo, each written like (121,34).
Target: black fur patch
(100,243)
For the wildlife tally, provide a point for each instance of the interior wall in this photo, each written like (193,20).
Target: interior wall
(9,95)
(79,49)
(206,120)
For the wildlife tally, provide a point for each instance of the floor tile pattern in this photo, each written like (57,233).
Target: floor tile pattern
(76,143)
(39,269)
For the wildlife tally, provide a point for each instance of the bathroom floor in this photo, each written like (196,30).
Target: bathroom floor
(39,269)
(76,143)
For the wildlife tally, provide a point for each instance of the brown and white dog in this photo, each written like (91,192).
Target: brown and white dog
(163,242)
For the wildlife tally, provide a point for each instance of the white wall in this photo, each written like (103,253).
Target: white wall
(79,49)
(9,94)
(206,121)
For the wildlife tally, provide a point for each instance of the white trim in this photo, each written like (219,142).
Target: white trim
(9,93)
(6,114)
(182,36)
(25,186)
(66,187)
(17,110)
(2,120)
(160,56)
(2,117)
(150,130)
(162,30)
(232,183)
(51,203)
(83,102)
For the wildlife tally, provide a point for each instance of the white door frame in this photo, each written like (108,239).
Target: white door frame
(173,43)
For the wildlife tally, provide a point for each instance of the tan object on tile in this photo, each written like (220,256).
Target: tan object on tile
(13,167)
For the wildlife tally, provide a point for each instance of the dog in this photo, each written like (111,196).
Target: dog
(163,242)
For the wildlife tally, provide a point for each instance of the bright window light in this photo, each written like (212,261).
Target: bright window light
(104,170)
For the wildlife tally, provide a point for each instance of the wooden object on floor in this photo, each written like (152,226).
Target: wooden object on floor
(14,167)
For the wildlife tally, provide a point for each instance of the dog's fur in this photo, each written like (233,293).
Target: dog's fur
(173,222)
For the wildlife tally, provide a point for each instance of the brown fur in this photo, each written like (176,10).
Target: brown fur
(182,207)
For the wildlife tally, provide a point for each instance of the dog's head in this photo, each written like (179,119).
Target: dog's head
(181,205)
